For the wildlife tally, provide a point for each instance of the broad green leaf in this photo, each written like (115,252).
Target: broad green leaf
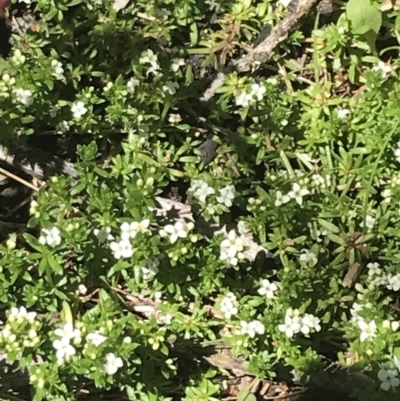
(364,16)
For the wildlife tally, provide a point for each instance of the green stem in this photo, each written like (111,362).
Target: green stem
(367,190)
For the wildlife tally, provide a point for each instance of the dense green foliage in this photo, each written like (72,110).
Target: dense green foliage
(307,162)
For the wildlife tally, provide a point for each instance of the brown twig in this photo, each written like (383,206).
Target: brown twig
(264,50)
(19,179)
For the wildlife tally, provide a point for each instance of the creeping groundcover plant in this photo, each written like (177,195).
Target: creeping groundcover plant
(265,218)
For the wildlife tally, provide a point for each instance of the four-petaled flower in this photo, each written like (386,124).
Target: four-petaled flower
(298,192)
(388,378)
(267,288)
(121,249)
(227,195)
(78,109)
(281,199)
(368,330)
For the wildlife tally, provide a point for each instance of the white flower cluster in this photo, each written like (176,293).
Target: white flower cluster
(296,193)
(18,58)
(294,323)
(148,57)
(200,190)
(377,277)
(228,305)
(11,334)
(57,69)
(50,236)
(64,348)
(246,99)
(21,314)
(382,68)
(231,248)
(6,82)
(23,96)
(177,230)
(252,328)
(322,182)
(123,248)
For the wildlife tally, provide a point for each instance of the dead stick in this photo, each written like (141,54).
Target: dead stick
(19,179)
(263,51)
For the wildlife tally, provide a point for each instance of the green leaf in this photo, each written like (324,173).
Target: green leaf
(364,17)
(55,266)
(329,226)
(194,33)
(245,395)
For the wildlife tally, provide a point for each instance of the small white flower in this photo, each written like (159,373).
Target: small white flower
(291,326)
(231,248)
(68,332)
(228,306)
(267,288)
(176,231)
(51,236)
(82,289)
(342,113)
(369,222)
(166,319)
(148,57)
(202,190)
(383,68)
(297,193)
(96,338)
(388,378)
(170,87)
(128,230)
(373,269)
(122,249)
(103,235)
(393,282)
(163,13)
(78,109)
(387,193)
(132,84)
(281,199)
(23,96)
(113,364)
(368,330)
(22,314)
(227,195)
(258,91)
(308,257)
(355,309)
(57,68)
(310,322)
(18,58)
(64,349)
(257,327)
(177,63)
(175,118)
(62,127)
(244,99)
